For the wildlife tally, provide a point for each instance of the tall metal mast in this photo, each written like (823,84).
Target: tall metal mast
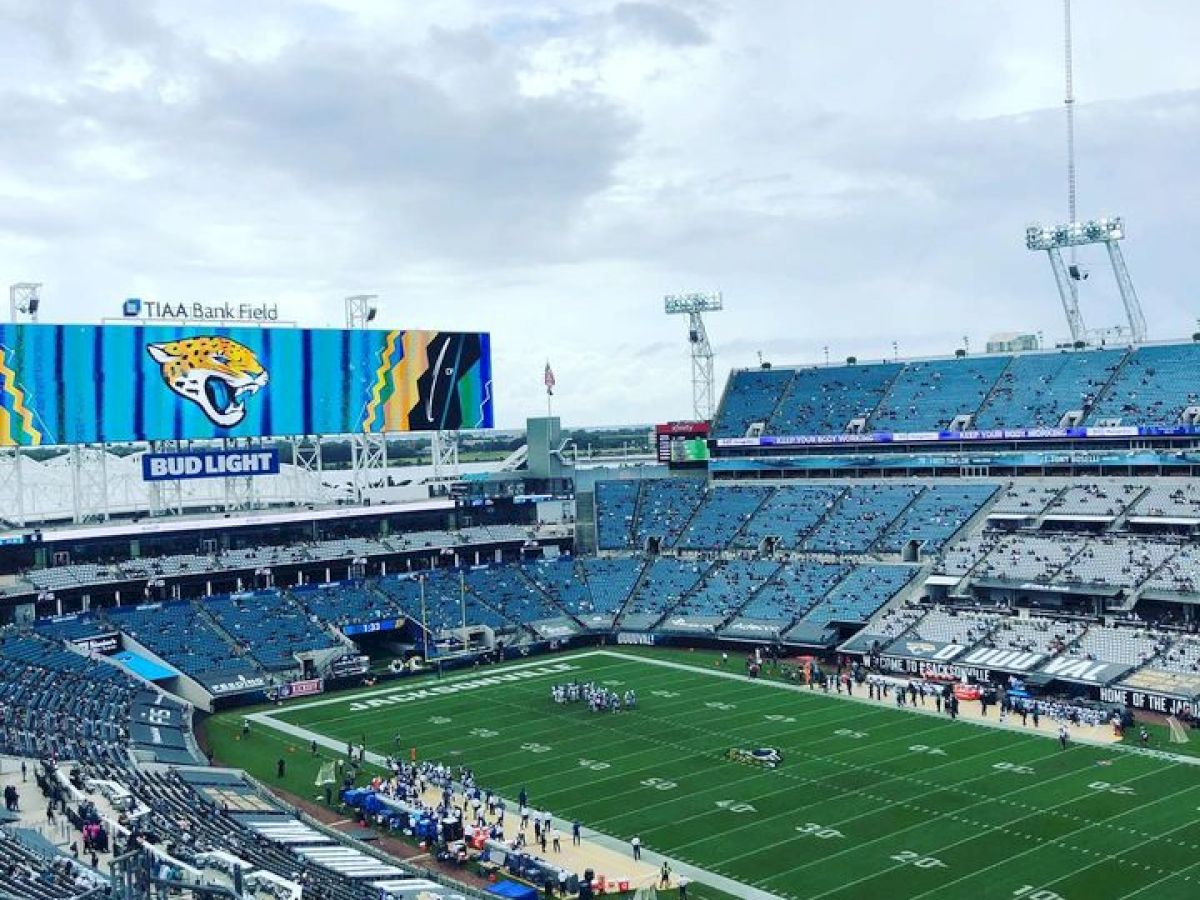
(1068,279)
(1073,234)
(1069,103)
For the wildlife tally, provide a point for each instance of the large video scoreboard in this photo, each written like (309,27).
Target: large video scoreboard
(682,444)
(82,384)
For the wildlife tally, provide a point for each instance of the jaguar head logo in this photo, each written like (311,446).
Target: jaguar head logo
(215,373)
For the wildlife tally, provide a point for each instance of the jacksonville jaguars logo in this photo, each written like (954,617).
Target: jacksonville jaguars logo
(215,373)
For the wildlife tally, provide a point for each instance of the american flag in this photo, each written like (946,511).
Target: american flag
(548,378)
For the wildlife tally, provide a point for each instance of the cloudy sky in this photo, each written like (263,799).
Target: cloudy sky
(849,174)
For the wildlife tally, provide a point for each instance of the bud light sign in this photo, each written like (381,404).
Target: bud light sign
(209,464)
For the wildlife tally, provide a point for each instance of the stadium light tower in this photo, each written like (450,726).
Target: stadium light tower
(694,305)
(1052,239)
(361,310)
(25,299)
(1075,234)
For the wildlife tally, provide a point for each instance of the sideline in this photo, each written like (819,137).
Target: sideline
(696,873)
(425,684)
(1164,755)
(713,879)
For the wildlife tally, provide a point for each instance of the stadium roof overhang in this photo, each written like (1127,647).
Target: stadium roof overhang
(1163,520)
(943,580)
(1090,590)
(1037,679)
(232,520)
(1172,597)
(1078,517)
(1104,673)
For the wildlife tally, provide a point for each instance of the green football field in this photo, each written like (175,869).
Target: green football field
(869,801)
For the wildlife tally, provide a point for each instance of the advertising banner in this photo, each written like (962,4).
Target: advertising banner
(948,661)
(1013,661)
(1158,690)
(917,461)
(347,666)
(105,644)
(755,628)
(635,639)
(1159,703)
(305,688)
(927,668)
(1084,671)
(997,434)
(209,464)
(80,384)
(916,648)
(226,684)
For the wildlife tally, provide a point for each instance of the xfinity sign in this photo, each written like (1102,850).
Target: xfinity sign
(157,310)
(209,464)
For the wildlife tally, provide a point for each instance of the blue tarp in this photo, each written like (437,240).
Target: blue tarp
(147,669)
(513,890)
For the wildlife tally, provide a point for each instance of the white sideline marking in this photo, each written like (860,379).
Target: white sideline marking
(1181,758)
(720,882)
(425,683)
(712,878)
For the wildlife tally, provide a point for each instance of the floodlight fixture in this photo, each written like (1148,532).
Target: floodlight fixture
(693,302)
(25,299)
(361,310)
(1053,239)
(1074,234)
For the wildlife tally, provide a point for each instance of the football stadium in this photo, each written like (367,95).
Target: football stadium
(292,610)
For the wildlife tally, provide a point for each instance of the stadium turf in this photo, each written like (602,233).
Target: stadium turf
(869,801)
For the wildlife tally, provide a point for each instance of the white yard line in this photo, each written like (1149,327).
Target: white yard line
(993,828)
(1178,873)
(1183,759)
(720,882)
(1058,840)
(709,877)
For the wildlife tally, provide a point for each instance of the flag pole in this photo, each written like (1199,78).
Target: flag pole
(548,380)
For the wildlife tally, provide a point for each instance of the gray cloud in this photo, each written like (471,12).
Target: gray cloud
(661,23)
